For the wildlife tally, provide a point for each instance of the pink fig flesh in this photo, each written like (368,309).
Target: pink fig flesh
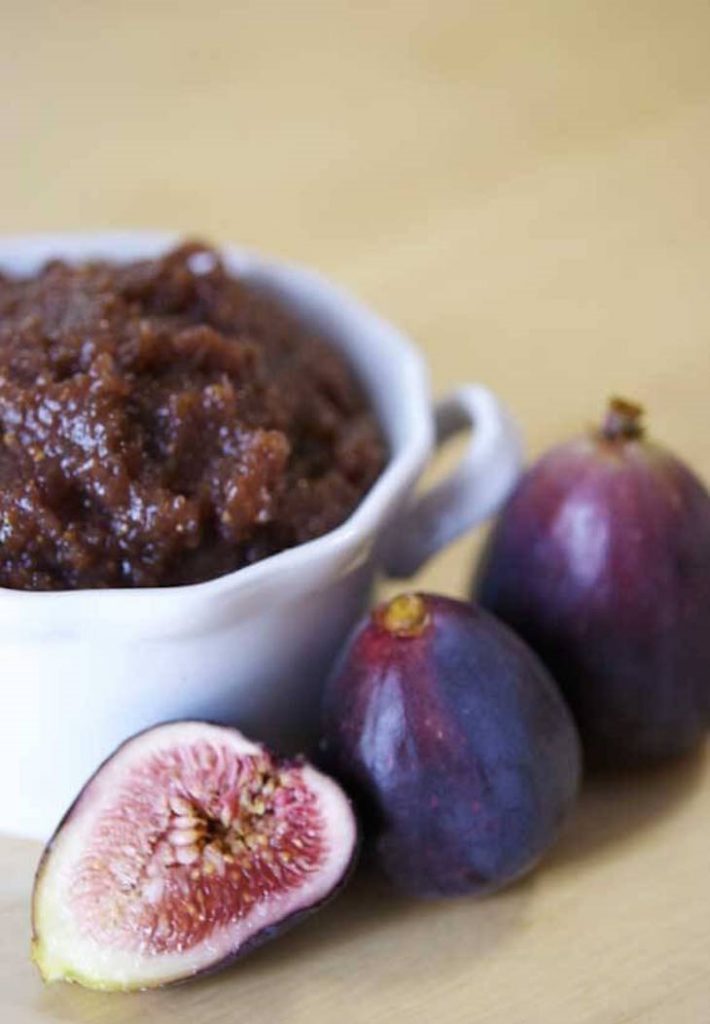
(601,561)
(187,848)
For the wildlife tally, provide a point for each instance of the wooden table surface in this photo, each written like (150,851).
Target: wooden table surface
(524,187)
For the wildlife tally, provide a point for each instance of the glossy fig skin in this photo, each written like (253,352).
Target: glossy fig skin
(457,745)
(601,561)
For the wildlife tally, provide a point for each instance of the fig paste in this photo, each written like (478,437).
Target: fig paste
(163,423)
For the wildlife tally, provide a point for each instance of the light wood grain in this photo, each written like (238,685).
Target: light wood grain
(524,188)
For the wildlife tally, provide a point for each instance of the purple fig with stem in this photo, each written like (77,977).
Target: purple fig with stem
(601,561)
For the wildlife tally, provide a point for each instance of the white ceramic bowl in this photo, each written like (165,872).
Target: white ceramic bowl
(83,670)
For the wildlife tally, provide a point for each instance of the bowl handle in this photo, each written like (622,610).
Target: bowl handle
(473,491)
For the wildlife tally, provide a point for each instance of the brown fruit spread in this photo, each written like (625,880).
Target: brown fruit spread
(163,423)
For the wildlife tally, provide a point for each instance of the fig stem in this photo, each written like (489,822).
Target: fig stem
(404,615)
(623,421)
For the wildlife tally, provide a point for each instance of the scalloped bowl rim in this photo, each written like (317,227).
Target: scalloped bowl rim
(333,551)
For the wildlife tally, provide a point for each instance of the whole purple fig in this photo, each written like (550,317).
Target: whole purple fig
(601,561)
(456,743)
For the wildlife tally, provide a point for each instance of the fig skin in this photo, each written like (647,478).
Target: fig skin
(601,562)
(456,744)
(53,969)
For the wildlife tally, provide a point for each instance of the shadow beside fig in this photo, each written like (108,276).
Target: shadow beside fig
(615,806)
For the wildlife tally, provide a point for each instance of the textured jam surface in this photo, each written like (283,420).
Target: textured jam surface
(195,839)
(162,423)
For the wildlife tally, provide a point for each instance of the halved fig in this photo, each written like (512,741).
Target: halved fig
(189,846)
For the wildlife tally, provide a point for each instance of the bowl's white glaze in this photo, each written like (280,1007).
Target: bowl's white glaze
(83,670)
